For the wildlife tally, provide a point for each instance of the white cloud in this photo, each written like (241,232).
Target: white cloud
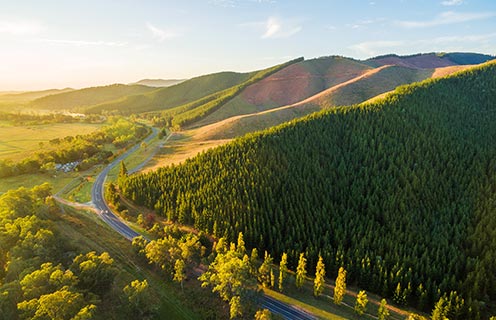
(162,34)
(83,43)
(448,17)
(20,27)
(452,2)
(277,28)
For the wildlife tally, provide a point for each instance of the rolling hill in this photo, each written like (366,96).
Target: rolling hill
(22,97)
(400,192)
(159,82)
(173,96)
(78,100)
(239,117)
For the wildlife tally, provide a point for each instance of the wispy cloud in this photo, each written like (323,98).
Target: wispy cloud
(274,27)
(448,17)
(20,27)
(162,34)
(452,2)
(83,43)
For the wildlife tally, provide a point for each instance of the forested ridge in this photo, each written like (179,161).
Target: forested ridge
(400,192)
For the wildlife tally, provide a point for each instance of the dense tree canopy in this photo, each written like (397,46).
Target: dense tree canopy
(400,192)
(37,279)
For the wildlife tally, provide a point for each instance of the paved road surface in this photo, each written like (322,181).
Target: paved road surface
(98,200)
(284,310)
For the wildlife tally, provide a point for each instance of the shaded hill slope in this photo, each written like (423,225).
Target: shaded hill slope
(400,192)
(80,99)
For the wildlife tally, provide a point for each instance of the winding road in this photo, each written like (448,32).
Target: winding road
(98,200)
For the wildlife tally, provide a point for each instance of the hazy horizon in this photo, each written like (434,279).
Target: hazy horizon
(58,45)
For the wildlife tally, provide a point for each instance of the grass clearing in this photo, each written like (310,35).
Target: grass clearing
(18,142)
(180,146)
(31,180)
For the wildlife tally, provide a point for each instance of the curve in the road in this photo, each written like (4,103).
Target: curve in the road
(98,199)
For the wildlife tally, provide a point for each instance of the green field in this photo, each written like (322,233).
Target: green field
(18,142)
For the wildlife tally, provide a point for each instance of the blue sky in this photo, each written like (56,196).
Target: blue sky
(55,44)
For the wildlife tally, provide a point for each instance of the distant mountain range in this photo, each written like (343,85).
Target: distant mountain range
(292,90)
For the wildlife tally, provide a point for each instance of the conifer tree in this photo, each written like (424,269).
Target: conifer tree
(439,311)
(179,272)
(318,283)
(301,271)
(254,262)
(265,270)
(122,174)
(340,287)
(383,312)
(235,307)
(241,244)
(361,302)
(283,270)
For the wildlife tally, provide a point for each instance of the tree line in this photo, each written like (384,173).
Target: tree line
(399,192)
(24,119)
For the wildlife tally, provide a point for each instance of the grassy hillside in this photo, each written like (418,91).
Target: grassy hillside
(372,83)
(385,80)
(310,77)
(197,110)
(80,99)
(170,97)
(290,85)
(400,192)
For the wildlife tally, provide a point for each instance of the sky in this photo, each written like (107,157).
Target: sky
(57,44)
